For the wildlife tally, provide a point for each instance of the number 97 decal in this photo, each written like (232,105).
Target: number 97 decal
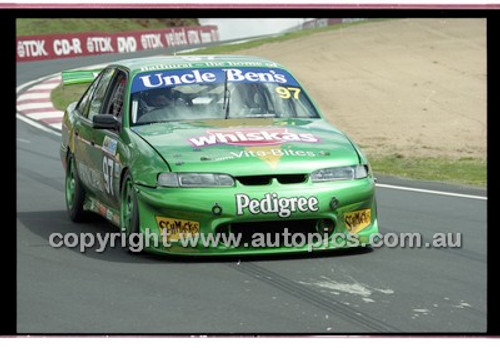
(108,170)
(288,92)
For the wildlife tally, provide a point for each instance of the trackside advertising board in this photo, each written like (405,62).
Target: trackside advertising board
(40,47)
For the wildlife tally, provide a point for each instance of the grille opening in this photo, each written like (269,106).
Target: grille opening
(272,230)
(264,180)
(291,179)
(255,180)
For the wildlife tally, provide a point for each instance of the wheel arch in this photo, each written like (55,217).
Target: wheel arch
(123,173)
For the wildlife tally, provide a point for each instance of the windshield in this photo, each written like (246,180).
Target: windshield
(199,94)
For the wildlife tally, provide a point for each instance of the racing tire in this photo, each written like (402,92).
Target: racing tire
(74,193)
(129,211)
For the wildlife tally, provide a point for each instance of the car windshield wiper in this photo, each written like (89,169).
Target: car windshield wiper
(261,116)
(227,96)
(146,123)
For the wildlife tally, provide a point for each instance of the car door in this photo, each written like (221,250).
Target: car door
(85,146)
(108,143)
(82,137)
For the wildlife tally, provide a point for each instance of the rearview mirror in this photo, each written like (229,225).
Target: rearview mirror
(106,122)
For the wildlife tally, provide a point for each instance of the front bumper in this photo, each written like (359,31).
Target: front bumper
(197,205)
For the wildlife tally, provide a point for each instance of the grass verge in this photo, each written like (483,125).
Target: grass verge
(465,170)
(62,96)
(40,26)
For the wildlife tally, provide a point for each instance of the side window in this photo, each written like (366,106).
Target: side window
(83,105)
(115,102)
(100,92)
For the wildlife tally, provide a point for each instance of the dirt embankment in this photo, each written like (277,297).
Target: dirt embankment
(415,87)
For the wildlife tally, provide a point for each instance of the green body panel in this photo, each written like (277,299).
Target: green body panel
(142,160)
(196,205)
(171,140)
(148,150)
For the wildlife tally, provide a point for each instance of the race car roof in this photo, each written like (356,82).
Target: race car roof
(139,65)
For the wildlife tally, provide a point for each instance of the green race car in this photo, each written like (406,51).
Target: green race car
(213,155)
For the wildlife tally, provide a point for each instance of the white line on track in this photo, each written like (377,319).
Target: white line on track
(44,86)
(35,105)
(32,95)
(46,114)
(19,88)
(37,125)
(427,191)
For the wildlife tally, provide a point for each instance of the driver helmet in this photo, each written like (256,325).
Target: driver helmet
(158,98)
(253,95)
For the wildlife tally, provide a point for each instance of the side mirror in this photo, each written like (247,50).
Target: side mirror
(106,122)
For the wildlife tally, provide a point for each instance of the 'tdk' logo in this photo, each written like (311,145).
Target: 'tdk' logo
(252,137)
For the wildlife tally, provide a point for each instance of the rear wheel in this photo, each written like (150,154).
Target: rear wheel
(75,195)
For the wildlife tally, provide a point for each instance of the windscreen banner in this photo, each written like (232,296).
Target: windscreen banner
(146,81)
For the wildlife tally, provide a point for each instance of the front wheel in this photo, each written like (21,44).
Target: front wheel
(75,195)
(129,213)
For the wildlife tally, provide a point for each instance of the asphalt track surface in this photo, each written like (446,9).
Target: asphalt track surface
(383,290)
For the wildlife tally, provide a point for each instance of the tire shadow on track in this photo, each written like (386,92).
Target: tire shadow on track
(45,223)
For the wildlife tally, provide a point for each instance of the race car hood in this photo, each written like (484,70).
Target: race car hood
(243,147)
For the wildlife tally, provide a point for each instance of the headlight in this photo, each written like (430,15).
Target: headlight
(339,173)
(195,180)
